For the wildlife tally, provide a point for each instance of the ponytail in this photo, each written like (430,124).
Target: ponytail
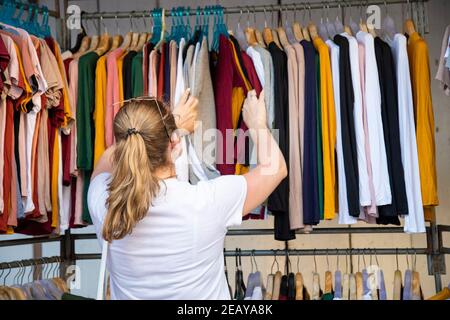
(133,184)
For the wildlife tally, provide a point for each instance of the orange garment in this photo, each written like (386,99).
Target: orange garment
(328,129)
(100,108)
(54,182)
(119,70)
(424,118)
(237,101)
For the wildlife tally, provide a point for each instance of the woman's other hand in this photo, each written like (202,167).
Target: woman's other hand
(186,112)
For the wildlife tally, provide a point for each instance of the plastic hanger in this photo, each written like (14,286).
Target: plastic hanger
(331,29)
(388,27)
(267,33)
(239,32)
(288,28)
(296,27)
(337,23)
(323,32)
(305,30)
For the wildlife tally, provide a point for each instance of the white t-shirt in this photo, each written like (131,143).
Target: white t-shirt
(176,251)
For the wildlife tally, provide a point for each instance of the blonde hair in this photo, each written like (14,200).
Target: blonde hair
(142,129)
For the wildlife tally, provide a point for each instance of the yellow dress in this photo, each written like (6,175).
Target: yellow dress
(424,117)
(328,129)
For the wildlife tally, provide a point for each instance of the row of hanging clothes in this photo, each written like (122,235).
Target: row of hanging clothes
(46,286)
(365,284)
(351,106)
(36,117)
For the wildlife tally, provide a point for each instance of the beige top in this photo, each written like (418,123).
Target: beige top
(173,53)
(443,73)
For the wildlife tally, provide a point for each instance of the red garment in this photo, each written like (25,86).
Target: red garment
(66,67)
(4,60)
(160,91)
(8,158)
(226,78)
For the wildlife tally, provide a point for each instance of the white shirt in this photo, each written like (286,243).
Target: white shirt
(364,191)
(344,215)
(378,158)
(176,251)
(257,62)
(414,221)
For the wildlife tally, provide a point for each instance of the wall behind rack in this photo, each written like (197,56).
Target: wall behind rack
(438,17)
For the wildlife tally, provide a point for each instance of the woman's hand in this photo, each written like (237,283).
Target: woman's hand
(185,113)
(254,111)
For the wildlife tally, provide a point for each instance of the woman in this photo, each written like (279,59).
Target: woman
(166,236)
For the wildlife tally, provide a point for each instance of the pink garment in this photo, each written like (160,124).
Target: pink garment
(2,152)
(14,90)
(12,218)
(73,96)
(153,63)
(367,213)
(78,220)
(22,156)
(173,71)
(43,167)
(112,93)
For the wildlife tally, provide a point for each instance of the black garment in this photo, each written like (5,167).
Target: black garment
(291,286)
(80,37)
(16,145)
(389,113)
(284,290)
(347,100)
(239,55)
(278,202)
(126,75)
(311,212)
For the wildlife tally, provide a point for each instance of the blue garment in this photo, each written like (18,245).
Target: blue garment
(407,288)
(337,285)
(382,294)
(365,276)
(311,212)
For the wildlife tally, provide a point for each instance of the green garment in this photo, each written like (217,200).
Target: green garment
(85,122)
(85,108)
(328,296)
(319,141)
(137,80)
(69,296)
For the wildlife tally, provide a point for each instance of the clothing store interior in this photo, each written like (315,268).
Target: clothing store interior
(364,212)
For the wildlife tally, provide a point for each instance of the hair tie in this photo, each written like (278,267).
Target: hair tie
(132,131)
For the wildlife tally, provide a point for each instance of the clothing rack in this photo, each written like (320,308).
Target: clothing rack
(40,9)
(435,250)
(303,5)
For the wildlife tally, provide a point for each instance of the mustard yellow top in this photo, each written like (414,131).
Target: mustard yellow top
(424,117)
(328,129)
(119,70)
(99,109)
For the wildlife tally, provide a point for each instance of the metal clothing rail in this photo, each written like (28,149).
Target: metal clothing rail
(303,5)
(40,9)
(30,262)
(323,252)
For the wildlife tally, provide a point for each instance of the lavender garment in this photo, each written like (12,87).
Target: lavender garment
(382,286)
(338,285)
(408,286)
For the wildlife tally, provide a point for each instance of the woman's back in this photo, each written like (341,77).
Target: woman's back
(176,250)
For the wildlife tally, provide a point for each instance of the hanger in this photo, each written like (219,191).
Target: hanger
(337,279)
(409,23)
(117,39)
(134,35)
(276,282)
(282,33)
(226,272)
(270,279)
(316,291)
(339,28)
(348,27)
(388,27)
(288,28)
(276,39)
(142,36)
(296,27)
(362,24)
(267,33)
(298,281)
(305,30)
(331,29)
(94,41)
(346,280)
(250,32)
(240,34)
(397,280)
(105,40)
(416,287)
(359,281)
(258,34)
(322,27)
(328,278)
